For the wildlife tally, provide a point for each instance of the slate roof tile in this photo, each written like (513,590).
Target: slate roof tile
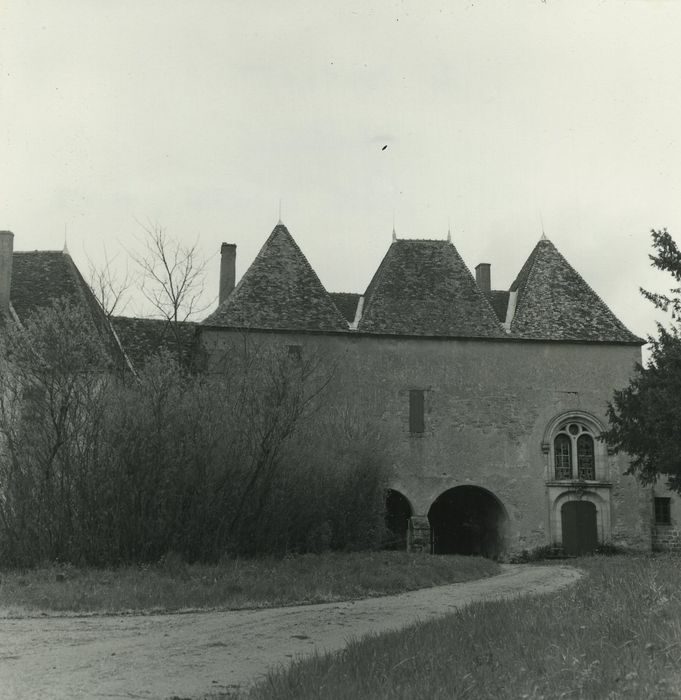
(555,303)
(142,338)
(279,291)
(41,277)
(346,303)
(498,300)
(423,287)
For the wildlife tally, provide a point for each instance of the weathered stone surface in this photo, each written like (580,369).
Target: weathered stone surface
(666,537)
(488,404)
(418,534)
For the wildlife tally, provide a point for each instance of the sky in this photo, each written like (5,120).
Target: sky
(497,120)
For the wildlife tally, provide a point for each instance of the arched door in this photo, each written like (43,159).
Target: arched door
(580,530)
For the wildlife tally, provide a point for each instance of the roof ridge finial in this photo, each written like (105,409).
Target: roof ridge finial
(449,231)
(65,249)
(394,234)
(280,222)
(543,235)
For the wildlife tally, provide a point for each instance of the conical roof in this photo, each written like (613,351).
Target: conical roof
(423,287)
(279,291)
(555,303)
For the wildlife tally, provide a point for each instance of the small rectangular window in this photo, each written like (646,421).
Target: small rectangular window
(663,515)
(294,352)
(416,405)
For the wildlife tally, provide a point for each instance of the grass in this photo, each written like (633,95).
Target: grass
(232,584)
(616,634)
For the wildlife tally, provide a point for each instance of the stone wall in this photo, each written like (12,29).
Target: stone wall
(667,537)
(487,408)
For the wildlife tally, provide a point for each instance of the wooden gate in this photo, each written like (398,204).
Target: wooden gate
(580,532)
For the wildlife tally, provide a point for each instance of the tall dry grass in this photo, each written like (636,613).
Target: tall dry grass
(616,634)
(173,585)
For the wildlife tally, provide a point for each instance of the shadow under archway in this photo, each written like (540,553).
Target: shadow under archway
(397,513)
(468,520)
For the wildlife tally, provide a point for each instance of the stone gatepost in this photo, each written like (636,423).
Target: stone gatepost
(418,534)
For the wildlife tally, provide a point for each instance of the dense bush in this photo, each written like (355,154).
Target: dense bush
(100,467)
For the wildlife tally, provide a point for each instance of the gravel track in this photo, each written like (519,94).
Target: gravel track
(188,655)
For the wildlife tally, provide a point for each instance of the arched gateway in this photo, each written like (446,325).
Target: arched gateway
(398,510)
(468,520)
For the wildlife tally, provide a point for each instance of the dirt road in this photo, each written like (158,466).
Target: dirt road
(158,656)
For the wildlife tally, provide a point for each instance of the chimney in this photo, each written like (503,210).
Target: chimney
(227,270)
(6,249)
(483,277)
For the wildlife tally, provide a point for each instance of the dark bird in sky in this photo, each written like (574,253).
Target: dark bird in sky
(384,147)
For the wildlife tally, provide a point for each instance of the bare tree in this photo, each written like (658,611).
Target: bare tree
(172,280)
(277,392)
(172,275)
(52,381)
(109,285)
(105,468)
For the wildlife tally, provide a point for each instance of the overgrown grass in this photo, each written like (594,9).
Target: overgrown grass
(616,634)
(242,583)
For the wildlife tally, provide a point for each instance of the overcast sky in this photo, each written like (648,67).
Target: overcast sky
(490,117)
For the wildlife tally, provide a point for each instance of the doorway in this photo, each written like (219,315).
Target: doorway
(580,530)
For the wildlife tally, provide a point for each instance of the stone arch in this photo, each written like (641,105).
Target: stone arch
(601,503)
(578,415)
(468,519)
(398,510)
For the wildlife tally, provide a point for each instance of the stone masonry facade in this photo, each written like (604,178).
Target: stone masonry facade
(488,407)
(489,403)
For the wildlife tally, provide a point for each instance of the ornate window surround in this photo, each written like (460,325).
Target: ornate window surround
(589,425)
(559,491)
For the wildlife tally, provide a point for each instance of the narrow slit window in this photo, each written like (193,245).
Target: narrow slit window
(416,411)
(295,352)
(663,515)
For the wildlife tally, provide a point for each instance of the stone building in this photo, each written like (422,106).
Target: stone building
(492,401)
(35,279)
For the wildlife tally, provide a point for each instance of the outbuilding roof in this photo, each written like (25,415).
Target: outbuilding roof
(498,300)
(39,278)
(346,303)
(143,338)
